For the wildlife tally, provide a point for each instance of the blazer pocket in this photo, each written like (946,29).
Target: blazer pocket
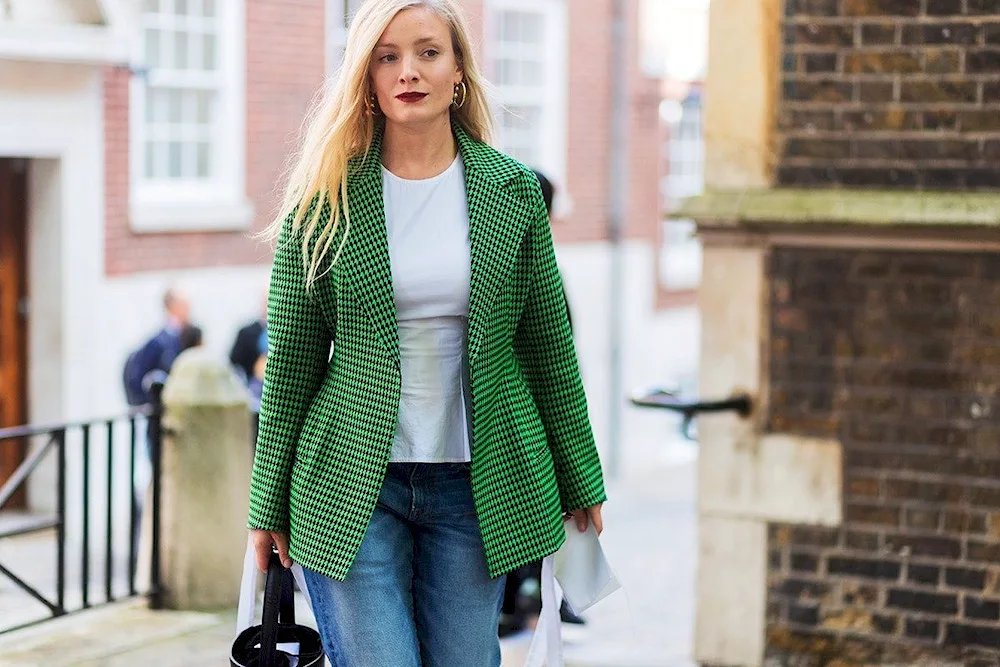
(535,444)
(302,458)
(527,420)
(524,401)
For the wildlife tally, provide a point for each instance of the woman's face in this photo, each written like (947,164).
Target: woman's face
(414,68)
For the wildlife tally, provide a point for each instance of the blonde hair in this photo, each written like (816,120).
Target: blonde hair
(340,127)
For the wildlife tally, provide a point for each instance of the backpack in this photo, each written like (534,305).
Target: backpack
(132,380)
(137,365)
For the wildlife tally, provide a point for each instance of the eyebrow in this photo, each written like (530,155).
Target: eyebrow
(390,45)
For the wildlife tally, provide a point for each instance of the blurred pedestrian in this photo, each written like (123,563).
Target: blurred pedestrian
(152,361)
(256,382)
(151,364)
(250,343)
(442,442)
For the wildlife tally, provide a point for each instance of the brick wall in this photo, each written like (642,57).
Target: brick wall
(589,130)
(644,144)
(890,94)
(117,237)
(896,355)
(589,122)
(285,66)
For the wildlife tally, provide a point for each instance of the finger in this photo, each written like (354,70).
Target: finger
(581,521)
(281,541)
(595,517)
(262,552)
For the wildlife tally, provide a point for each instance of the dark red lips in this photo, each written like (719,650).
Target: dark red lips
(411,97)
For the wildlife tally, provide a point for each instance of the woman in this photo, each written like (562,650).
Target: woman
(440,443)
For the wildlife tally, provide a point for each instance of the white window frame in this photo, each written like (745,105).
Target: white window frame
(552,157)
(218,204)
(680,252)
(336,30)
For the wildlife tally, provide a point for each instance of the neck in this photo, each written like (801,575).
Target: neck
(418,152)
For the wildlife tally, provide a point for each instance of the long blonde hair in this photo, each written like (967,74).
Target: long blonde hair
(340,127)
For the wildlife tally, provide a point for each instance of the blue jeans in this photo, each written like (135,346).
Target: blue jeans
(419,593)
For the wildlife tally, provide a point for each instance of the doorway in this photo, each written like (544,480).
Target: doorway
(13,316)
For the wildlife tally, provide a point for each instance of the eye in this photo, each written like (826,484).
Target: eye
(388,58)
(431,53)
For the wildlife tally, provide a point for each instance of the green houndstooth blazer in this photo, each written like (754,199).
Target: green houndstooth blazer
(327,420)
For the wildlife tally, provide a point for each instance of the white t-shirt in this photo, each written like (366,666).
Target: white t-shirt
(427,222)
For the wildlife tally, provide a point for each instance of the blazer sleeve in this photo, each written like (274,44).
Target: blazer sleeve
(298,356)
(543,343)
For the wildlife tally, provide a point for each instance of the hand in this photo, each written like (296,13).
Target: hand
(585,517)
(262,542)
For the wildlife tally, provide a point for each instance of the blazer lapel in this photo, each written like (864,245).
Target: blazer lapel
(366,254)
(497,225)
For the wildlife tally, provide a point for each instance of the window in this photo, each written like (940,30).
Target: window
(526,61)
(338,19)
(680,253)
(188,140)
(519,127)
(686,151)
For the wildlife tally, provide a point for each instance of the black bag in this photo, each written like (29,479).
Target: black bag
(258,645)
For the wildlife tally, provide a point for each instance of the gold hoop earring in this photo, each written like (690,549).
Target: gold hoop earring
(371,103)
(460,95)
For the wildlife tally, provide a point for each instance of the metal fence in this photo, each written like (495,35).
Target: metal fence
(105,441)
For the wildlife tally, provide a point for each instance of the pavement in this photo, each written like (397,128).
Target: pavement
(649,539)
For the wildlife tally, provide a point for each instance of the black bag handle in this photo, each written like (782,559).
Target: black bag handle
(286,609)
(279,607)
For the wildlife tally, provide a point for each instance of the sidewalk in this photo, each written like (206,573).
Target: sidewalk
(649,537)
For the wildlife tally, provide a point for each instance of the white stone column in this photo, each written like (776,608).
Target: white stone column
(205,483)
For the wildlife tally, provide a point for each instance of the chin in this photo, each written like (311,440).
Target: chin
(416,116)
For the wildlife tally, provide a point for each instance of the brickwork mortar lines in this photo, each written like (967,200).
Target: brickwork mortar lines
(916,86)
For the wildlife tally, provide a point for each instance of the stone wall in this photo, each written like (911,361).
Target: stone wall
(897,356)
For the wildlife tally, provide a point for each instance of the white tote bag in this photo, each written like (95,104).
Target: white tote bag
(585,577)
(248,603)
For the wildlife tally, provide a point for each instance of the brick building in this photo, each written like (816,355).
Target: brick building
(850,268)
(141,144)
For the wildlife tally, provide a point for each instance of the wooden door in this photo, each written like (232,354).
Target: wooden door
(13,315)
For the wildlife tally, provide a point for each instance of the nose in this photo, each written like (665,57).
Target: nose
(408,72)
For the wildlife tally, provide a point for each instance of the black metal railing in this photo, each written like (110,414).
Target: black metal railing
(75,446)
